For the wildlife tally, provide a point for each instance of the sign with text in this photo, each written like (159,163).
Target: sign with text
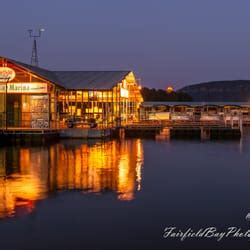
(26,88)
(6,74)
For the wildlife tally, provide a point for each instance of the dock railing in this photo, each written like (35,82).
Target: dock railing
(186,124)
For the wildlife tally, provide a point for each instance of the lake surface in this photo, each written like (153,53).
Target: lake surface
(123,194)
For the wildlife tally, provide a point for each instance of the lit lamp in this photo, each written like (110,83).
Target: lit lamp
(170,89)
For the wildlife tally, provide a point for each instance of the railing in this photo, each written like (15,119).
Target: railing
(180,124)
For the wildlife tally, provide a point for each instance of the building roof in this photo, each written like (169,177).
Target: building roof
(78,79)
(90,79)
(49,75)
(195,104)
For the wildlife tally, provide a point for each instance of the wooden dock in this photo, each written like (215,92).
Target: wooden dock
(185,129)
(143,129)
(204,130)
(85,133)
(29,135)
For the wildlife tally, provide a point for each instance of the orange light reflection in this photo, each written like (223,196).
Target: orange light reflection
(30,174)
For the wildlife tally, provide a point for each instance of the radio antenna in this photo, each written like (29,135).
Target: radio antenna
(34,55)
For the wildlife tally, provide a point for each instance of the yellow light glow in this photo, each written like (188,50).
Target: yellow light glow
(114,166)
(139,163)
(170,89)
(124,93)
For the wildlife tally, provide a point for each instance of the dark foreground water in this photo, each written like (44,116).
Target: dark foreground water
(123,194)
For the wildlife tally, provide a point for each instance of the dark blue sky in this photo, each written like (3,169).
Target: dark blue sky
(163,41)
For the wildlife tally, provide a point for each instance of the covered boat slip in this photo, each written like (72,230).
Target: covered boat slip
(196,112)
(33,99)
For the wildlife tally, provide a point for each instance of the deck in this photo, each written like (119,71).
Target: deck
(20,130)
(182,129)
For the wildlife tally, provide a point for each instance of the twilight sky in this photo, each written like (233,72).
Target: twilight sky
(164,42)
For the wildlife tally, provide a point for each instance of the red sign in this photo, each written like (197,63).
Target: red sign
(6,74)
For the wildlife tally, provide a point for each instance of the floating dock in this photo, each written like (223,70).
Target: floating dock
(29,135)
(84,133)
(185,129)
(42,135)
(204,130)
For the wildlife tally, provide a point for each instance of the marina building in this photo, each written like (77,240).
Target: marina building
(37,98)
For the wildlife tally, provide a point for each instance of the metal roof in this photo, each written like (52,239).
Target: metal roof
(195,104)
(90,79)
(49,75)
(78,79)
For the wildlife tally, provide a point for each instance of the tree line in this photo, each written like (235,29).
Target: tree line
(160,95)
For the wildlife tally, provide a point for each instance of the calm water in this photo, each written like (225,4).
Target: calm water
(122,194)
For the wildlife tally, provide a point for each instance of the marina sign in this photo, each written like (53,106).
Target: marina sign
(6,74)
(34,87)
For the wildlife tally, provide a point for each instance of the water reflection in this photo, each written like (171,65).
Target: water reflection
(31,174)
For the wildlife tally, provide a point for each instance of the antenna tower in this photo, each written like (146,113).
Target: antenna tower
(34,55)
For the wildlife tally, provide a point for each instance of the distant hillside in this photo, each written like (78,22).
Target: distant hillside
(160,95)
(221,91)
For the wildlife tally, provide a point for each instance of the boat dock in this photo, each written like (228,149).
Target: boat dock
(41,135)
(29,134)
(185,129)
(173,120)
(173,129)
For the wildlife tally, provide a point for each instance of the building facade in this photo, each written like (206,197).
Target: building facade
(35,98)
